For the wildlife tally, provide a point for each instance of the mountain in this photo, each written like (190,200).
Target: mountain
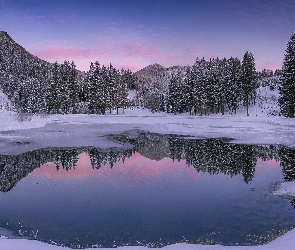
(152,85)
(157,76)
(18,67)
(15,52)
(34,85)
(153,76)
(15,61)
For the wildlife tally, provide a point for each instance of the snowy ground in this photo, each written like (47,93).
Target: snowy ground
(285,242)
(20,134)
(90,130)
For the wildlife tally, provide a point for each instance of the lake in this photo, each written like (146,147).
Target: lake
(155,190)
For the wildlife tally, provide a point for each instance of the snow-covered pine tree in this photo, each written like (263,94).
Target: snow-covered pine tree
(52,90)
(73,88)
(212,85)
(192,85)
(221,84)
(233,77)
(209,87)
(96,88)
(126,82)
(287,88)
(175,94)
(187,90)
(248,79)
(112,86)
(199,90)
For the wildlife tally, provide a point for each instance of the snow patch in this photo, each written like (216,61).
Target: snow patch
(5,103)
(286,189)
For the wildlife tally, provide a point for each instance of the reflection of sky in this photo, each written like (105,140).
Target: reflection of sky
(144,200)
(138,168)
(134,34)
(135,168)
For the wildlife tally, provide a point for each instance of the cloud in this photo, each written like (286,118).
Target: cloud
(58,53)
(137,49)
(133,52)
(266,64)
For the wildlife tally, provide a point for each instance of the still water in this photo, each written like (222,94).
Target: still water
(163,189)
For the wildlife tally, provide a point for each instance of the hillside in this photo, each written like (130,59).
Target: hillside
(31,84)
(20,71)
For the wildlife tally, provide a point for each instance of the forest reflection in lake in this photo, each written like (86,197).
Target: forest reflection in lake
(164,189)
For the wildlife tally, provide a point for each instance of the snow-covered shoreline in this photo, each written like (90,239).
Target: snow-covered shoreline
(253,129)
(286,242)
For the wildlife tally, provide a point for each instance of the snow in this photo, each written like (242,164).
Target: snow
(285,189)
(285,242)
(5,103)
(90,130)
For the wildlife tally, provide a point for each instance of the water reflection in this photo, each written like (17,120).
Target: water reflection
(213,156)
(147,192)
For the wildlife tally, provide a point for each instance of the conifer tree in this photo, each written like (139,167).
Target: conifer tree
(287,88)
(175,94)
(248,79)
(126,82)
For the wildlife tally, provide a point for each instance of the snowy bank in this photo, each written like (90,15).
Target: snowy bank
(18,136)
(286,189)
(286,242)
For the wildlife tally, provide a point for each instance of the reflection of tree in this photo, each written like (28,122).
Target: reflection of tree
(67,159)
(213,156)
(98,157)
(151,145)
(287,158)
(216,156)
(15,167)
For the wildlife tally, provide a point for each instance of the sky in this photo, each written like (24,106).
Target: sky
(136,33)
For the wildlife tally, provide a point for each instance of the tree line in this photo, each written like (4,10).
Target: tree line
(213,86)
(206,87)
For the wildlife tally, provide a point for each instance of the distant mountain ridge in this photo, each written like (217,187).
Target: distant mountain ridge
(15,51)
(26,79)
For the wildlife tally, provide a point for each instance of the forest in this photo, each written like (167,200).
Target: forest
(207,87)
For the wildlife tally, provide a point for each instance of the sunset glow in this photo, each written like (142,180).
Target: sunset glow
(135,168)
(134,34)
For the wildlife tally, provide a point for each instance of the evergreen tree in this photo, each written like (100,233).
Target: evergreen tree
(73,88)
(95,88)
(111,87)
(52,92)
(126,82)
(248,80)
(287,88)
(232,79)
(175,94)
